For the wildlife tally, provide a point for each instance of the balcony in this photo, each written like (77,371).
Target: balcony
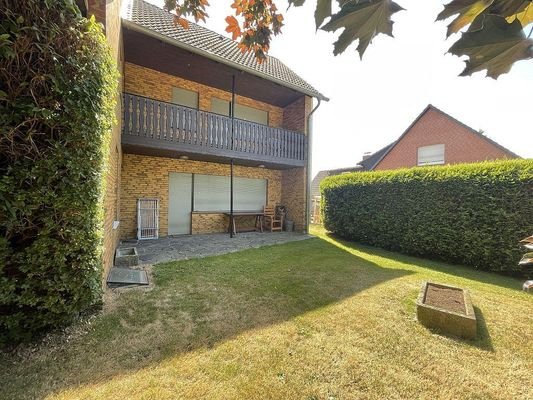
(158,128)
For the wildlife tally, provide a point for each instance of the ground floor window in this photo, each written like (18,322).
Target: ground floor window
(212,193)
(190,193)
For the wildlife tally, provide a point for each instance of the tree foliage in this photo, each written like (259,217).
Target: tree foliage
(492,31)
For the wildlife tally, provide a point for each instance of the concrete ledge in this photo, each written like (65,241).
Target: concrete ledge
(126,257)
(446,321)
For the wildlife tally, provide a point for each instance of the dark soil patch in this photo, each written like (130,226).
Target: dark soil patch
(450,299)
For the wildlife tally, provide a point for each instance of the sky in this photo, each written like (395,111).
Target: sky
(373,100)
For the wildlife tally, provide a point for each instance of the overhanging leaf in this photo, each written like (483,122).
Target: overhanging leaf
(525,16)
(296,3)
(362,20)
(495,47)
(467,11)
(508,8)
(322,11)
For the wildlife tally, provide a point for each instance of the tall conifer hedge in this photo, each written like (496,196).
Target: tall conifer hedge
(472,214)
(57,89)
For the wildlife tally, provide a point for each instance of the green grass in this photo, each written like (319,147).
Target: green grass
(318,319)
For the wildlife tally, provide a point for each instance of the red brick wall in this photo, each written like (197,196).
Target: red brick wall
(434,127)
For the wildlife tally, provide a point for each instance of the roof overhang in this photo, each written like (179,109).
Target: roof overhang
(156,35)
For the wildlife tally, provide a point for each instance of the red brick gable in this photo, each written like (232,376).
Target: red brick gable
(433,126)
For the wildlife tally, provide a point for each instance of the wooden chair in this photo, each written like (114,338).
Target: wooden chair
(273,219)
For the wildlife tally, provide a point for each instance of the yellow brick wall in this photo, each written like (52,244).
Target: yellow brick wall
(294,185)
(98,9)
(112,183)
(293,196)
(294,116)
(144,176)
(158,85)
(216,222)
(209,223)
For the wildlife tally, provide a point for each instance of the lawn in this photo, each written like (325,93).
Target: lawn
(317,319)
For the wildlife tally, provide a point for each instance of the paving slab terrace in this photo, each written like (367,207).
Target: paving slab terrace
(173,248)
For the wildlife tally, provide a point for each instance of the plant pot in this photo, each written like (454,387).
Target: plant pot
(289,226)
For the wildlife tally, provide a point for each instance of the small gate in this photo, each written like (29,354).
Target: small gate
(147,219)
(315,210)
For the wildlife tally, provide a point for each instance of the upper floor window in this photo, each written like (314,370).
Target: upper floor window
(184,97)
(247,113)
(431,155)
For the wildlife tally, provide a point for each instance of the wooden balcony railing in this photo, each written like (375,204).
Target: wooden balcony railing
(157,124)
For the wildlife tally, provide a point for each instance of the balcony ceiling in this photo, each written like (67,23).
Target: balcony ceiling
(132,145)
(153,53)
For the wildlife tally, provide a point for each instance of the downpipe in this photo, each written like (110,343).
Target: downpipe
(309,160)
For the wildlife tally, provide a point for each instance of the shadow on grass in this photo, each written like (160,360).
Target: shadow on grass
(482,341)
(460,271)
(195,304)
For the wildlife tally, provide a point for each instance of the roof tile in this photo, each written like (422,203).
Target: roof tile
(151,17)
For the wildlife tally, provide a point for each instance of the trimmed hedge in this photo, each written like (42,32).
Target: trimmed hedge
(471,214)
(57,96)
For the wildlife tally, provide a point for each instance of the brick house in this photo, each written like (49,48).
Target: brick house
(433,138)
(436,138)
(176,138)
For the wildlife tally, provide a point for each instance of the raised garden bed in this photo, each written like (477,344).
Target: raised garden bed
(448,309)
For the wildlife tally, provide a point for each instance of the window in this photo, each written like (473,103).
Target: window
(184,97)
(431,155)
(220,106)
(212,193)
(249,194)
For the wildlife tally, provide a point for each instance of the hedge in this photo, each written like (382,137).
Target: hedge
(471,214)
(57,96)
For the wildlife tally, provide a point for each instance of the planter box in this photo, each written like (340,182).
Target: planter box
(126,257)
(448,309)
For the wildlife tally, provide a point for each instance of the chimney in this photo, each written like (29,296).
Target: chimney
(366,154)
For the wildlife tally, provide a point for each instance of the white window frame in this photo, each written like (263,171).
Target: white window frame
(435,154)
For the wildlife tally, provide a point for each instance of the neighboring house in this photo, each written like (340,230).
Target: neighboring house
(315,189)
(315,183)
(176,134)
(433,138)
(436,138)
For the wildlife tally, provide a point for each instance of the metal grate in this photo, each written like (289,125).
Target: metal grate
(126,277)
(147,219)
